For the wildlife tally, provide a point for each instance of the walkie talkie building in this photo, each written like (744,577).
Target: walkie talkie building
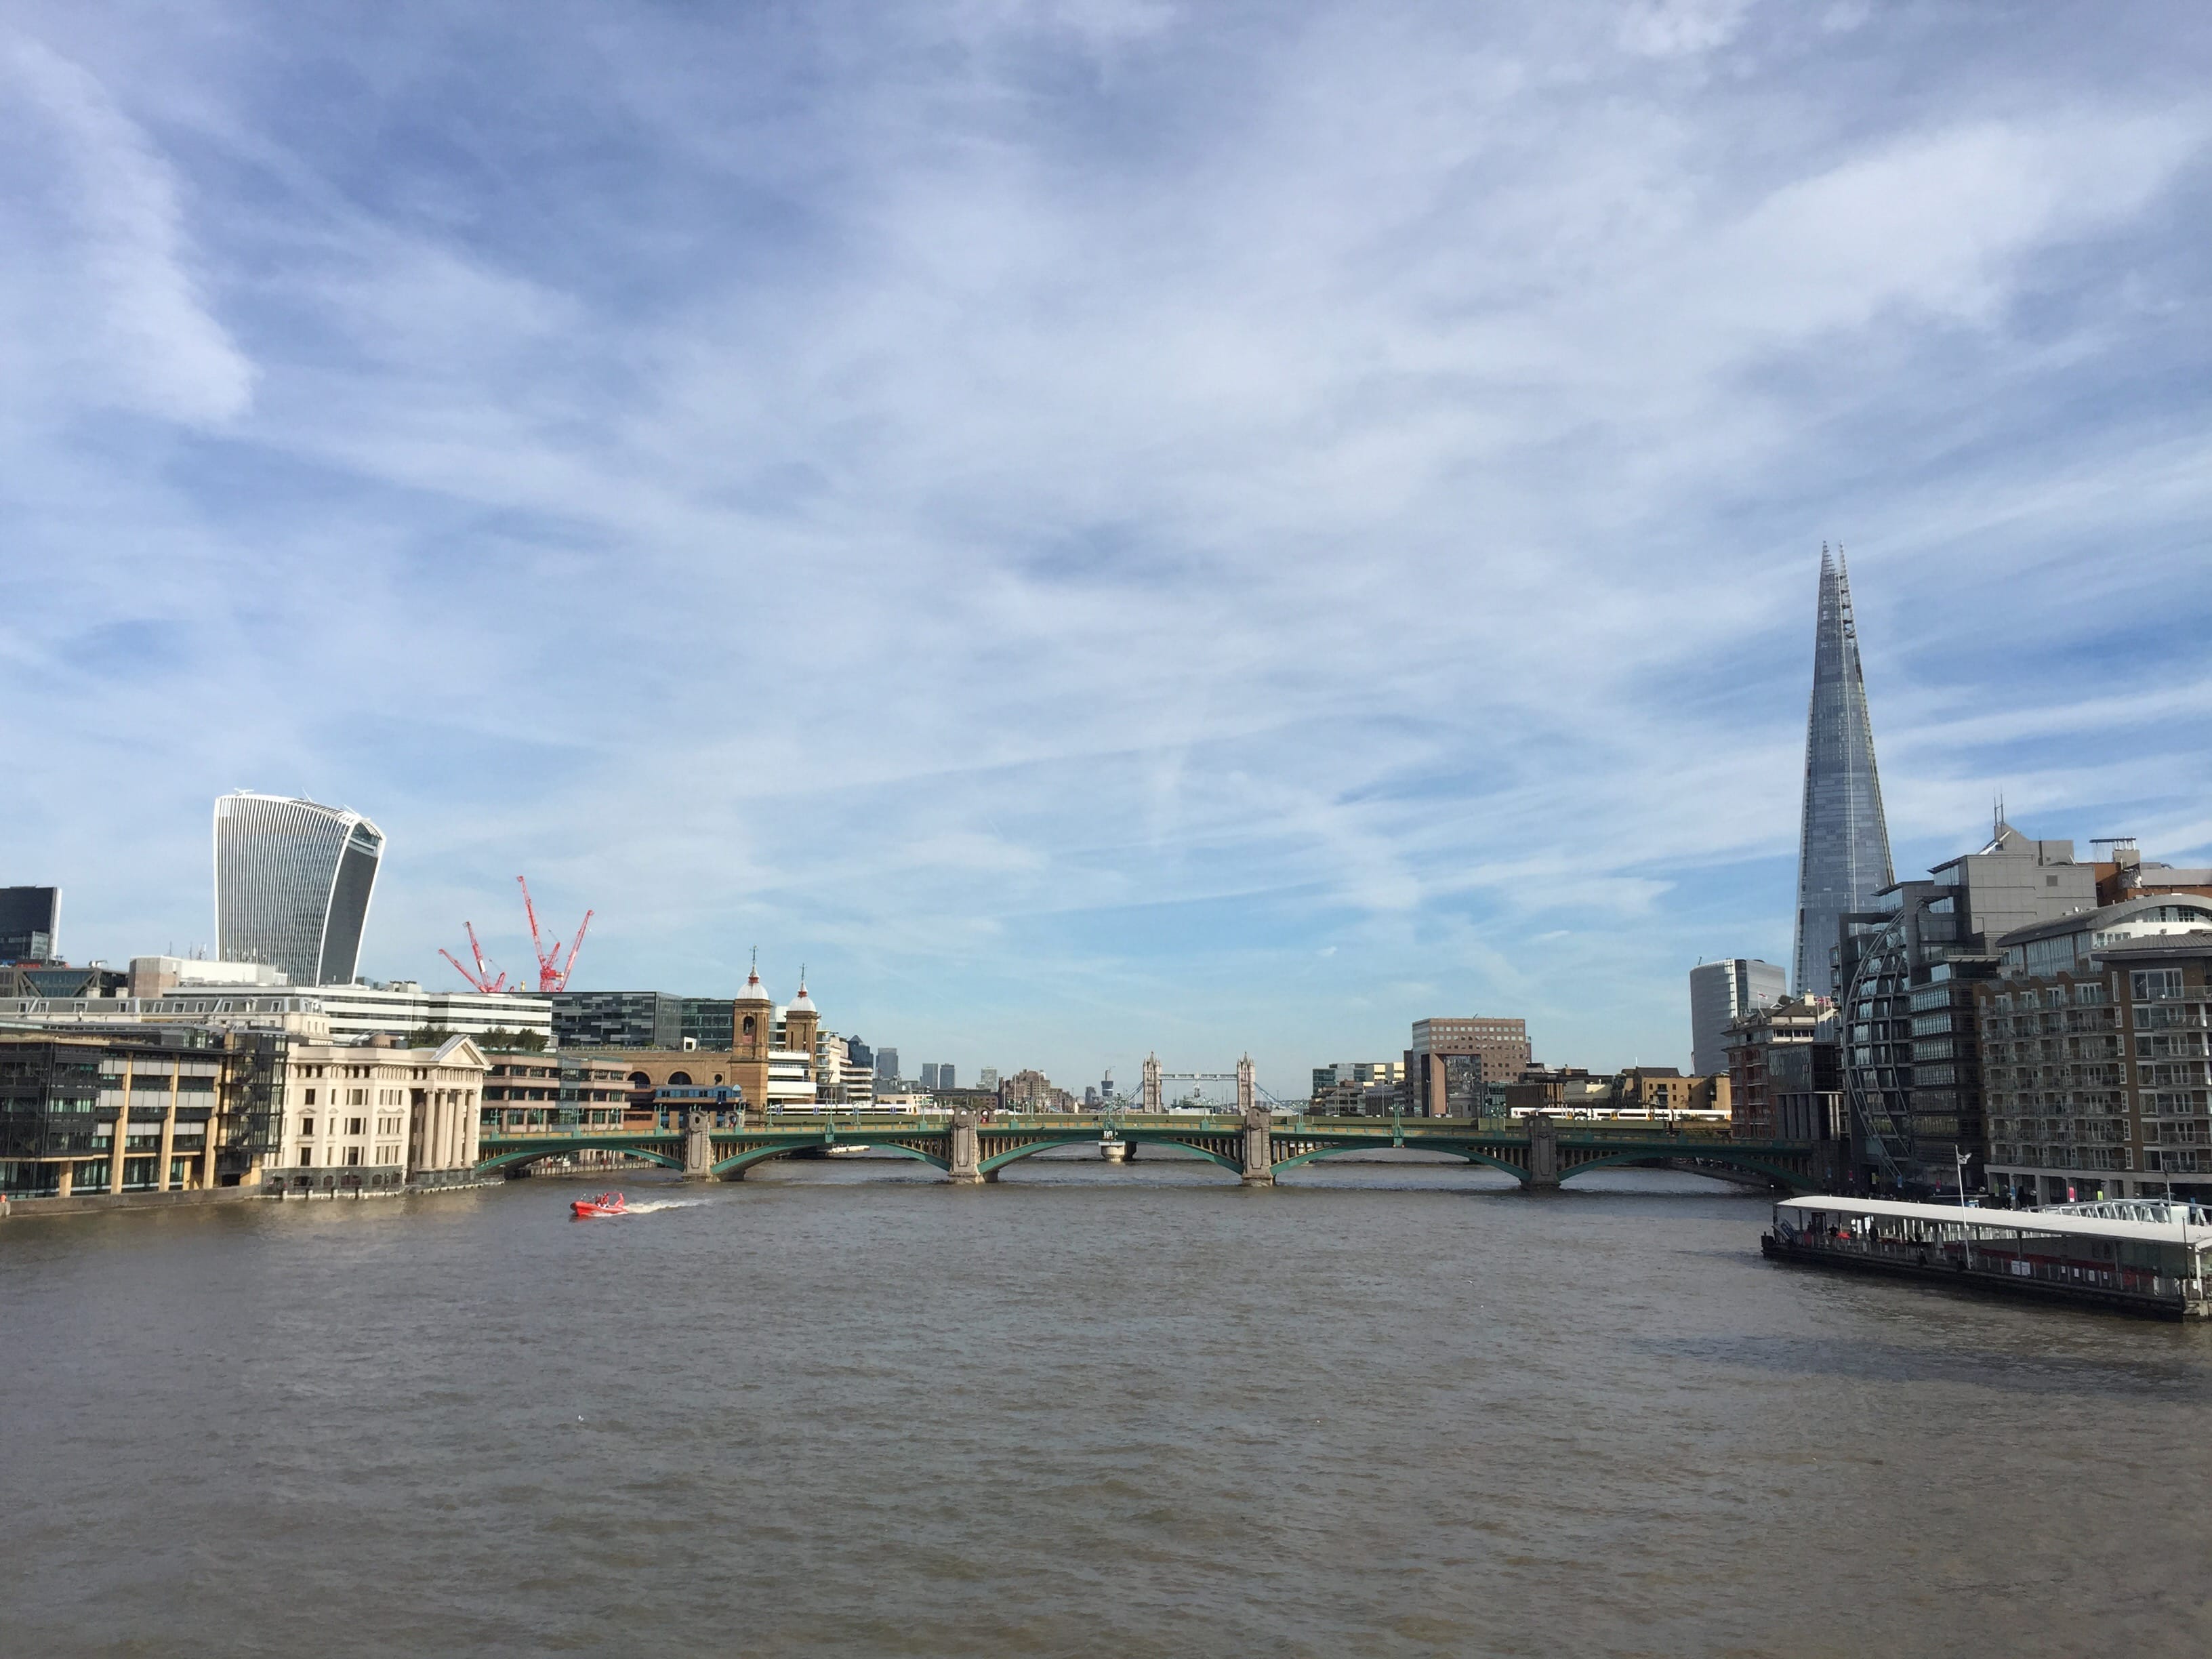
(1843,849)
(292,884)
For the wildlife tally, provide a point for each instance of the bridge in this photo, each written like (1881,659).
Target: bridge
(1256,1144)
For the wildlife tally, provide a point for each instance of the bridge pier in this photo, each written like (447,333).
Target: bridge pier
(1259,1142)
(967,1150)
(1543,1151)
(698,1147)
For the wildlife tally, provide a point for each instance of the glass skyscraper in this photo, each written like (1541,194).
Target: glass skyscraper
(292,884)
(1843,849)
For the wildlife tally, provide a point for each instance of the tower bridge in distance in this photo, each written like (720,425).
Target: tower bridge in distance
(1255,1143)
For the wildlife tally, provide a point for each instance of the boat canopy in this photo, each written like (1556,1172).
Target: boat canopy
(2000,1222)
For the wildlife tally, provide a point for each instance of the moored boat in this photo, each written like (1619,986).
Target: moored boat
(583,1209)
(2141,1267)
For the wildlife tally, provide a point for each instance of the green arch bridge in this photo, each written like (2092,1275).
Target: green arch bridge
(1537,1152)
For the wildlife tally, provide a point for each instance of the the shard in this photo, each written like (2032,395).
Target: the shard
(1843,849)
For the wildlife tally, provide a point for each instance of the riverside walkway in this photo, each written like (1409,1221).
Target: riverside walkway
(1256,1144)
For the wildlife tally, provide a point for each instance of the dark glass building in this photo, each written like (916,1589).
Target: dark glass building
(144,1109)
(1843,849)
(30,924)
(641,1019)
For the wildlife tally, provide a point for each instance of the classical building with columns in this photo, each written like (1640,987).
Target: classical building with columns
(374,1115)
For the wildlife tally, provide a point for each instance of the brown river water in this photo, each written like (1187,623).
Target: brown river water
(840,1409)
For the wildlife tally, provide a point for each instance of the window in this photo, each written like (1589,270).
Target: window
(306,1157)
(356,1125)
(311,1097)
(307,1126)
(2155,984)
(353,1155)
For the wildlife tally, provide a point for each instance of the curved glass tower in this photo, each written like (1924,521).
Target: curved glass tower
(292,884)
(1843,849)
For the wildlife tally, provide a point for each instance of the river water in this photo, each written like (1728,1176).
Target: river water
(842,1409)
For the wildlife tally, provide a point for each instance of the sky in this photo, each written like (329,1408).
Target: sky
(1097,526)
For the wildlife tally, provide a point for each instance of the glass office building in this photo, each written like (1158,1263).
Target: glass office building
(1843,849)
(292,886)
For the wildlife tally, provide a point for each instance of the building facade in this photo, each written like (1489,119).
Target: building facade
(1358,1088)
(1720,992)
(292,880)
(1752,1042)
(770,1060)
(339,1012)
(1451,1060)
(1912,1054)
(137,1110)
(1843,846)
(361,1117)
(30,924)
(2093,1056)
(641,1019)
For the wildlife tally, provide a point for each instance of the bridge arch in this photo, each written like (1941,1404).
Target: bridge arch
(1773,1172)
(522,1157)
(739,1163)
(1383,1144)
(998,1161)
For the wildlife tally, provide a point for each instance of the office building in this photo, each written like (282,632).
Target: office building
(135,1109)
(292,881)
(948,1075)
(536,1088)
(928,1077)
(1843,849)
(2096,1078)
(862,1057)
(30,924)
(1452,1059)
(1722,993)
(1911,1059)
(1358,1088)
(1750,1047)
(641,1019)
(887,1070)
(340,1014)
(989,1078)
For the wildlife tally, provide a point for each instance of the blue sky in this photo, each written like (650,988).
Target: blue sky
(1098,525)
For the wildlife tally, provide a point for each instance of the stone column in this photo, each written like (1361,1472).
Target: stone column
(168,1141)
(967,1148)
(68,1180)
(1543,1151)
(698,1147)
(1259,1142)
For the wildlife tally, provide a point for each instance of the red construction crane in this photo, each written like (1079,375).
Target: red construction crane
(481,978)
(553,969)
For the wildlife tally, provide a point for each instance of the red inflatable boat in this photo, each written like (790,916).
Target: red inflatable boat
(606,1204)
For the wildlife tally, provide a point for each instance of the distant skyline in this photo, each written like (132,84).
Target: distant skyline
(1098,525)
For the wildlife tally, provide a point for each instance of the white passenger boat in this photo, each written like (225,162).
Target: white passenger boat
(2157,1268)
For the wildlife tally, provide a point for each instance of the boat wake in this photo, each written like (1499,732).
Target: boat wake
(665,1204)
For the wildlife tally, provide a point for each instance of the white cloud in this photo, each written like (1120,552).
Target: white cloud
(1088,520)
(114,313)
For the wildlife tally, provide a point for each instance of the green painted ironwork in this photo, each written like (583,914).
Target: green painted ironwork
(928,1138)
(760,1152)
